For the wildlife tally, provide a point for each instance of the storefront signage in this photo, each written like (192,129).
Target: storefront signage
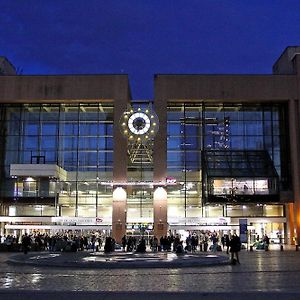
(80,221)
(171,180)
(199,221)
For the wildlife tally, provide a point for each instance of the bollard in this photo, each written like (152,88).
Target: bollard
(281,247)
(251,248)
(297,248)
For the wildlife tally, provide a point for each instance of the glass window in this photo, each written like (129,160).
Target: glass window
(49,129)
(69,129)
(233,115)
(105,143)
(69,143)
(268,127)
(174,142)
(87,158)
(191,130)
(253,128)
(192,156)
(254,142)
(12,142)
(273,210)
(49,112)
(105,129)
(88,129)
(252,114)
(174,129)
(276,157)
(91,115)
(51,157)
(175,115)
(236,128)
(48,143)
(30,143)
(276,126)
(88,143)
(175,156)
(268,141)
(31,116)
(70,158)
(105,158)
(25,157)
(31,129)
(191,143)
(69,113)
(237,142)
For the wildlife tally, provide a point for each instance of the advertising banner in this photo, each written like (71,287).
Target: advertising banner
(243,231)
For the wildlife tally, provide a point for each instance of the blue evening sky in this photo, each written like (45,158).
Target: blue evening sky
(145,37)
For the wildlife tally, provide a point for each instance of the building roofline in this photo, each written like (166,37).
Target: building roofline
(284,51)
(219,74)
(5,60)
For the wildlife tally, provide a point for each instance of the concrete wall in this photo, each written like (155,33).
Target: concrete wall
(225,88)
(63,88)
(285,64)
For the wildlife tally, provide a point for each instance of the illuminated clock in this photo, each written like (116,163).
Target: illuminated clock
(139,125)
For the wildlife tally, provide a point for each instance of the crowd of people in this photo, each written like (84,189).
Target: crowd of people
(57,242)
(202,241)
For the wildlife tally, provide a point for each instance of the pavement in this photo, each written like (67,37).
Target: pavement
(270,274)
(30,295)
(119,260)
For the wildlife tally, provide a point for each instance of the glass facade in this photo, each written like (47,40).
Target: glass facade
(222,161)
(198,128)
(78,138)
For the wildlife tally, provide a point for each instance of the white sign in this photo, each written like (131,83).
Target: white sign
(200,221)
(81,220)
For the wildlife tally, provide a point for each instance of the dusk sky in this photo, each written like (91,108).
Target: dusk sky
(145,37)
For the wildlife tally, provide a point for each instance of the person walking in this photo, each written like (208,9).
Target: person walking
(235,248)
(227,243)
(26,242)
(124,242)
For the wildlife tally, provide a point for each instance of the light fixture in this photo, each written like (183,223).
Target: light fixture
(119,194)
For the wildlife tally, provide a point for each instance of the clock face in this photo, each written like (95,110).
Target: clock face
(139,123)
(139,126)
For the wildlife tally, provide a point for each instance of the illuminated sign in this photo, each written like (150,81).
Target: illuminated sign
(171,180)
(80,220)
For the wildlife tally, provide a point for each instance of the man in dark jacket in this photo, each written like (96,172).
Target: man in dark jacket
(235,248)
(26,241)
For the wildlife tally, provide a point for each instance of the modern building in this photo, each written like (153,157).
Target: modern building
(6,68)
(209,152)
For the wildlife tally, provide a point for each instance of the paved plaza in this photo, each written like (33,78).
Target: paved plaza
(261,274)
(119,259)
